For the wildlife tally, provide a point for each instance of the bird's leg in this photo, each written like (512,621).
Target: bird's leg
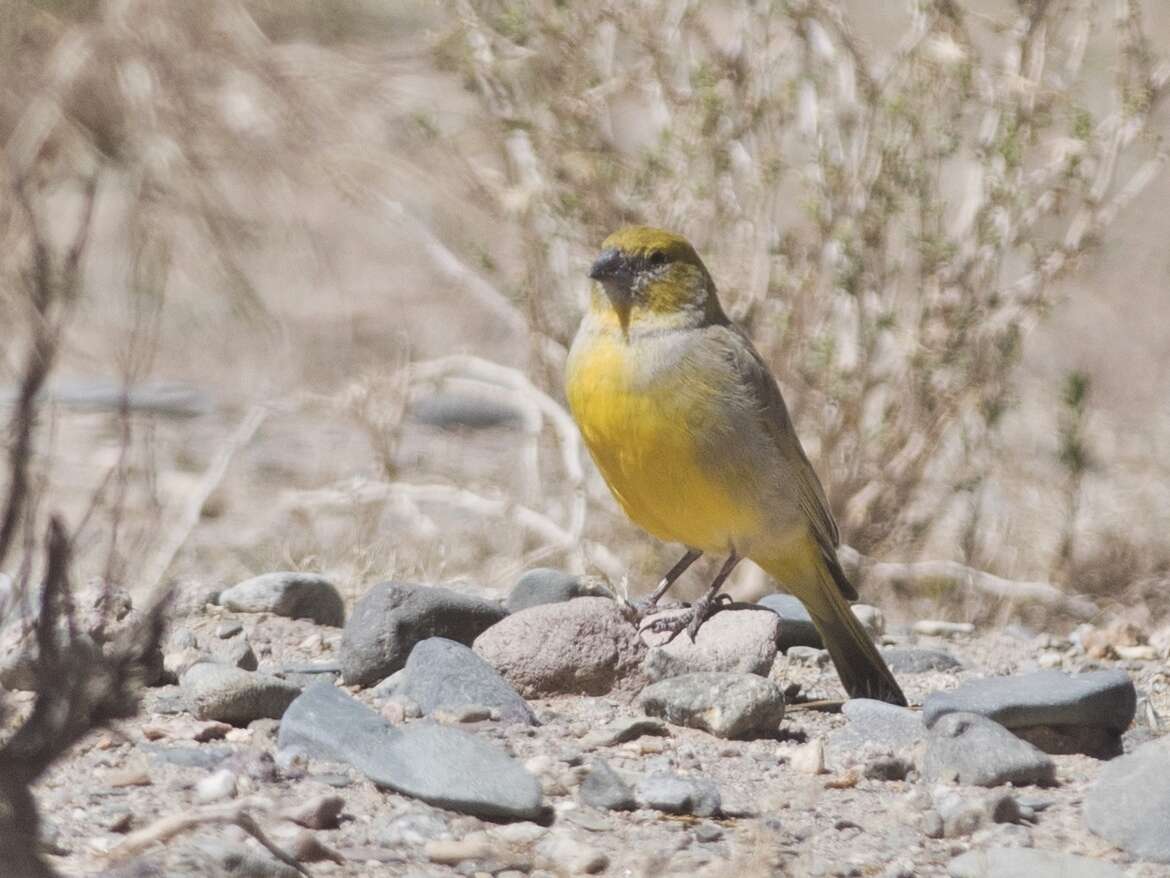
(668,580)
(700,610)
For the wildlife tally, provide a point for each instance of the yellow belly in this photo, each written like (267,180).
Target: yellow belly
(640,440)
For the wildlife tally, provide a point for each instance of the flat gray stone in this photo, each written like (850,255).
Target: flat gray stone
(1028,863)
(292,594)
(913,660)
(444,675)
(679,795)
(1054,698)
(876,725)
(393,616)
(544,585)
(603,788)
(796,625)
(235,696)
(443,766)
(971,749)
(1129,804)
(741,641)
(622,729)
(726,705)
(453,411)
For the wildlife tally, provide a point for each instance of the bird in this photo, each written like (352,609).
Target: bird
(688,427)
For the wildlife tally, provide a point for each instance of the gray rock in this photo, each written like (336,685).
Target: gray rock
(970,749)
(219,857)
(796,625)
(206,757)
(443,766)
(236,651)
(1096,741)
(444,675)
(1028,863)
(622,729)
(603,788)
(726,705)
(908,660)
(393,616)
(232,695)
(1129,804)
(292,594)
(544,585)
(736,641)
(464,411)
(679,795)
(584,646)
(566,855)
(873,725)
(1097,698)
(808,655)
(414,828)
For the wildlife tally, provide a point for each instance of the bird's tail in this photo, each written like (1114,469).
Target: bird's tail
(861,667)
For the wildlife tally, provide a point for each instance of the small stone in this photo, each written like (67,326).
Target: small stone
(567,855)
(1129,804)
(1096,741)
(960,816)
(236,652)
(971,749)
(213,788)
(796,625)
(871,620)
(679,795)
(705,833)
(546,586)
(319,812)
(231,695)
(468,713)
(939,628)
(622,729)
(873,724)
(807,655)
(726,705)
(732,641)
(228,630)
(810,758)
(295,595)
(130,776)
(392,617)
(603,788)
(449,852)
(584,646)
(454,411)
(888,767)
(1020,862)
(415,828)
(441,674)
(919,661)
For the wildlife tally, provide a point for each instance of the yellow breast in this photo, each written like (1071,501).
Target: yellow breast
(640,431)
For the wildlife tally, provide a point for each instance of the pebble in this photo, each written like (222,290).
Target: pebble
(214,787)
(1129,804)
(584,646)
(603,788)
(726,705)
(443,766)
(1103,699)
(393,616)
(808,655)
(678,795)
(910,660)
(441,674)
(1016,862)
(231,695)
(567,855)
(414,828)
(873,724)
(319,812)
(796,625)
(451,411)
(970,749)
(734,641)
(544,585)
(449,852)
(809,758)
(622,729)
(130,776)
(939,628)
(292,594)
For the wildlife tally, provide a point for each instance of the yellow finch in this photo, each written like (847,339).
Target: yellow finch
(688,427)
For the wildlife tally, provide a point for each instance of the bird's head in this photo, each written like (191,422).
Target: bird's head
(653,279)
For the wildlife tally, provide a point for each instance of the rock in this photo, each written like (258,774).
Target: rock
(726,705)
(1129,804)
(230,695)
(1028,863)
(1102,699)
(293,594)
(887,767)
(415,828)
(796,625)
(603,788)
(449,852)
(566,855)
(970,749)
(444,675)
(319,812)
(392,617)
(939,628)
(873,724)
(1096,741)
(219,857)
(463,410)
(236,651)
(735,641)
(871,620)
(810,758)
(679,795)
(623,729)
(221,785)
(585,646)
(808,655)
(546,586)
(905,660)
(444,766)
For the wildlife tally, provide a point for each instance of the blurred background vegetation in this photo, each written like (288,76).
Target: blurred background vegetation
(307,271)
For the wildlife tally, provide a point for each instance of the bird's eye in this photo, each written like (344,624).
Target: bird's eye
(657,258)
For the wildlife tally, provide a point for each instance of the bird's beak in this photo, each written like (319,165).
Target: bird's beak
(612,270)
(609,266)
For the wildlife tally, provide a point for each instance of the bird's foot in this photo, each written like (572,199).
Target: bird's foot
(691,619)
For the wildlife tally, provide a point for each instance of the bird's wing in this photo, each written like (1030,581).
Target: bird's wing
(756,384)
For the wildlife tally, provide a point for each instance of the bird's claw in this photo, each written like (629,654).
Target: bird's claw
(691,620)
